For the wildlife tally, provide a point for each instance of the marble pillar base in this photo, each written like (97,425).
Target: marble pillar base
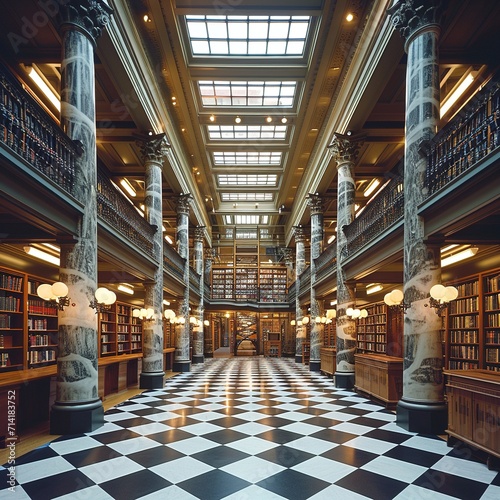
(152,380)
(209,355)
(298,358)
(70,418)
(314,366)
(182,366)
(344,380)
(424,418)
(198,358)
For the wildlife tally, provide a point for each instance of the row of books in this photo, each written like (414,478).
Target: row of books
(10,303)
(4,321)
(9,282)
(39,356)
(41,307)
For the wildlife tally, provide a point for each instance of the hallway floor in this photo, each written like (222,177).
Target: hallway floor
(250,428)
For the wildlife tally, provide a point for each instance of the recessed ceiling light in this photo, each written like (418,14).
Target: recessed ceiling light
(284,119)
(269,119)
(212,118)
(237,119)
(349,17)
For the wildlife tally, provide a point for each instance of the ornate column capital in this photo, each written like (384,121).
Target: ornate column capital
(153,148)
(345,148)
(315,203)
(199,233)
(299,234)
(183,203)
(412,16)
(88,16)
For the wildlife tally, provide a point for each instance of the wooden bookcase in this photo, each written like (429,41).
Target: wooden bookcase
(472,324)
(12,320)
(42,328)
(119,331)
(246,284)
(328,352)
(273,285)
(222,283)
(381,332)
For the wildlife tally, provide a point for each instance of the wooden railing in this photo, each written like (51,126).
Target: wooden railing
(469,137)
(113,208)
(28,131)
(381,213)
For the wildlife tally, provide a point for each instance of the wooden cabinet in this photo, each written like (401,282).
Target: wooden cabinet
(379,376)
(474,410)
(328,363)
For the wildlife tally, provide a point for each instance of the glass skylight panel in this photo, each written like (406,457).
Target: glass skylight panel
(247,179)
(244,132)
(242,93)
(246,235)
(247,157)
(246,219)
(247,35)
(247,196)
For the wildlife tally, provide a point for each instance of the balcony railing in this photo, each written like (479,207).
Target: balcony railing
(113,208)
(470,136)
(173,262)
(382,212)
(30,133)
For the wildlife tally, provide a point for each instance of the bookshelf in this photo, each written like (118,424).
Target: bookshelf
(119,332)
(330,334)
(273,285)
(42,328)
(462,323)
(12,320)
(372,331)
(222,283)
(491,303)
(328,358)
(246,284)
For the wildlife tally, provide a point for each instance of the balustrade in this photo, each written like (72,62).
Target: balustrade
(470,136)
(28,131)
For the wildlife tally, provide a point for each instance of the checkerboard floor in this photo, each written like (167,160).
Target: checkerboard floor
(250,428)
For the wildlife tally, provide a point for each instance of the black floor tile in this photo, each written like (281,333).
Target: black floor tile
(372,485)
(57,485)
(350,456)
(293,484)
(155,456)
(213,485)
(134,485)
(220,456)
(285,456)
(91,456)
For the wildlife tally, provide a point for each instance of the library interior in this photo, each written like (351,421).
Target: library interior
(249,249)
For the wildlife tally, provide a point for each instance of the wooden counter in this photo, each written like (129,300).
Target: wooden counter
(379,376)
(328,361)
(474,410)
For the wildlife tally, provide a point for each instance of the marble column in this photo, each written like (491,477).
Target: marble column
(344,151)
(208,341)
(152,374)
(315,206)
(422,408)
(78,408)
(300,264)
(199,234)
(182,360)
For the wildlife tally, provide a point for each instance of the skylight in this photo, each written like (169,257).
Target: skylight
(247,179)
(247,35)
(244,132)
(247,196)
(242,93)
(247,158)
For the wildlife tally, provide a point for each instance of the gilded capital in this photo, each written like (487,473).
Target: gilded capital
(183,203)
(344,148)
(153,148)
(411,16)
(89,16)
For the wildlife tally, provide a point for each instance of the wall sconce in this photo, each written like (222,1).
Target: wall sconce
(144,314)
(305,320)
(356,313)
(395,300)
(57,293)
(293,322)
(206,322)
(441,296)
(103,300)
